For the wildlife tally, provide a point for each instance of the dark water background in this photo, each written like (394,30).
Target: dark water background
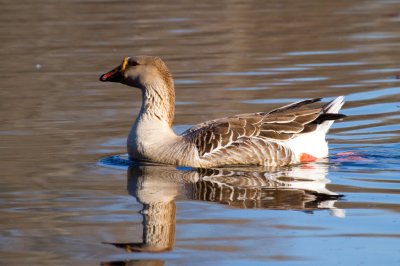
(58,205)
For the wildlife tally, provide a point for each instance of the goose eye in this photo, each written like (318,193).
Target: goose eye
(133,63)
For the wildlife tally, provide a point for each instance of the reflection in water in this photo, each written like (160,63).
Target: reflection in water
(135,263)
(156,187)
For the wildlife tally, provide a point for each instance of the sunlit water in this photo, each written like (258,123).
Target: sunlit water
(68,195)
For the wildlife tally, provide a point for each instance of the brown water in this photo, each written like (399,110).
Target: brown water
(60,206)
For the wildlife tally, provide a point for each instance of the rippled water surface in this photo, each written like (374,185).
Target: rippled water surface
(68,195)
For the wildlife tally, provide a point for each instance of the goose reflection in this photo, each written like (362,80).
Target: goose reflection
(157,187)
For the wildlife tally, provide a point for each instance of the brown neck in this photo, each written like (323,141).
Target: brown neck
(159,102)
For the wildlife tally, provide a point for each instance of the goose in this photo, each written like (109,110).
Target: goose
(291,134)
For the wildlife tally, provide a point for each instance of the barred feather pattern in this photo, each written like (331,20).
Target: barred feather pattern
(257,138)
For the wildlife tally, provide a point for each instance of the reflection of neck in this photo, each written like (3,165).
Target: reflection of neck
(159,226)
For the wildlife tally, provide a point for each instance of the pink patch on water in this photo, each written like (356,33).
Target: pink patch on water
(345,153)
(349,156)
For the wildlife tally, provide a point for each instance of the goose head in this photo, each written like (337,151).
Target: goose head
(150,75)
(143,72)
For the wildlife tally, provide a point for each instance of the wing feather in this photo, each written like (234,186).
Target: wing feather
(229,134)
(304,119)
(291,127)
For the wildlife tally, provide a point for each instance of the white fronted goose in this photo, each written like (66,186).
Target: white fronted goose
(291,134)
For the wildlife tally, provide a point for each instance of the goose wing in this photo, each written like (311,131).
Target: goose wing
(277,126)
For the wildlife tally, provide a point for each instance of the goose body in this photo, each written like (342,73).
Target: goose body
(291,134)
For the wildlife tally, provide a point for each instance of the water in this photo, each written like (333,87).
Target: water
(60,206)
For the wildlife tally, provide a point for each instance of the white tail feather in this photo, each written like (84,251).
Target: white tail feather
(332,107)
(314,143)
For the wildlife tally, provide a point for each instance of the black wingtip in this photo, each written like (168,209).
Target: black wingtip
(326,117)
(305,102)
(295,105)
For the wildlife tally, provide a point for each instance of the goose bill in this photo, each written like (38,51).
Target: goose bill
(114,75)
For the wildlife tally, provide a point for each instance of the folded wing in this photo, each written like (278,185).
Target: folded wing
(254,132)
